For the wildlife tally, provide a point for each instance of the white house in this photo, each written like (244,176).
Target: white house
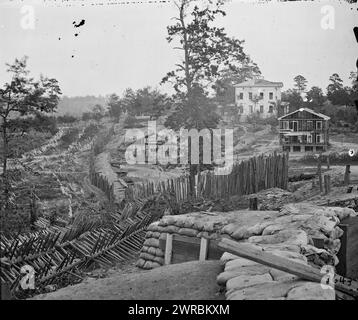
(257,96)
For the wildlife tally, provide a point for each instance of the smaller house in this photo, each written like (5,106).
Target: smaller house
(304,130)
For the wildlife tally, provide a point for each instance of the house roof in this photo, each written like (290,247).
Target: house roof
(259,83)
(321,115)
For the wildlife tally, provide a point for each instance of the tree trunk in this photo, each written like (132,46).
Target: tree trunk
(185,47)
(5,155)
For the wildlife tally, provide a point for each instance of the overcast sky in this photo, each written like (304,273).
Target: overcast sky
(124,46)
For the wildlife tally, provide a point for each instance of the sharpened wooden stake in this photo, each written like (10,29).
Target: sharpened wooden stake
(204,246)
(168,249)
(347,175)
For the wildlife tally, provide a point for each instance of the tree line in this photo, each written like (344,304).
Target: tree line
(336,101)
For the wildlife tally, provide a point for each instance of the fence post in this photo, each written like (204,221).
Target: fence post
(347,175)
(319,172)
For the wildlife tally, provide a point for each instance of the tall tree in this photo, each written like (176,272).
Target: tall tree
(337,94)
(208,53)
(24,96)
(300,83)
(207,50)
(293,97)
(98,112)
(115,106)
(315,98)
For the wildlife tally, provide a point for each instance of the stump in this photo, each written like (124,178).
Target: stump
(253,203)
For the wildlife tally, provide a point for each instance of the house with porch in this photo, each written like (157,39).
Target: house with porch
(304,130)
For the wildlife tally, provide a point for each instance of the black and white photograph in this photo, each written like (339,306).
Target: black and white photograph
(197,151)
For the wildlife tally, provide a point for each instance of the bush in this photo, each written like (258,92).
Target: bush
(66,119)
(69,137)
(130,121)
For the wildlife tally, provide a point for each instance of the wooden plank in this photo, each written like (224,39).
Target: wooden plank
(306,272)
(168,249)
(204,246)
(348,254)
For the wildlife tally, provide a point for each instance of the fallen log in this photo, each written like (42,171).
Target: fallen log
(251,252)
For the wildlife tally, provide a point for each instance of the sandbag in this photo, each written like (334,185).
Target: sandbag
(146,256)
(171,229)
(295,237)
(264,291)
(151,242)
(188,232)
(242,282)
(310,291)
(223,277)
(239,263)
(140,263)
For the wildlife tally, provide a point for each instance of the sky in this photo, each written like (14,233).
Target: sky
(124,45)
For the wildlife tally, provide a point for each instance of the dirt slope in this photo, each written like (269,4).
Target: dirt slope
(190,280)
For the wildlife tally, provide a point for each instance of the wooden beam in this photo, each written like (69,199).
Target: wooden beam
(306,272)
(204,246)
(168,249)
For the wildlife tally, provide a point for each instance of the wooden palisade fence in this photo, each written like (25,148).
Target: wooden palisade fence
(247,177)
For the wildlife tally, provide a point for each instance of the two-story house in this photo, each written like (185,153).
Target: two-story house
(304,130)
(257,97)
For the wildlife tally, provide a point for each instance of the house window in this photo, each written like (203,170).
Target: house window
(251,109)
(261,109)
(270,109)
(285,125)
(241,96)
(319,138)
(250,95)
(261,95)
(309,125)
(319,125)
(309,138)
(271,95)
(241,109)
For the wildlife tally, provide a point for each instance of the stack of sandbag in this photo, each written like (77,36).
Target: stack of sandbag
(293,229)
(247,280)
(151,256)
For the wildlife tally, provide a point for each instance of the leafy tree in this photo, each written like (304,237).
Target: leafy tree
(23,96)
(224,85)
(293,97)
(66,118)
(354,90)
(315,98)
(210,59)
(115,106)
(190,113)
(127,100)
(207,50)
(146,101)
(98,112)
(86,116)
(336,93)
(300,83)
(150,102)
